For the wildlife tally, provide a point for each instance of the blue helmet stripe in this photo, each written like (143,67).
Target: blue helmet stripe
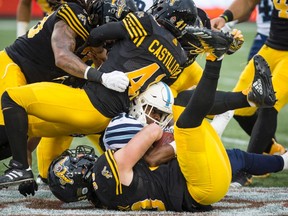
(168,95)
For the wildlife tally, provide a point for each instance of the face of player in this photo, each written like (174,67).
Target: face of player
(153,113)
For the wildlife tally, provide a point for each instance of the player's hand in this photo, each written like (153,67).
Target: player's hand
(28,188)
(217,23)
(215,43)
(116,80)
(238,40)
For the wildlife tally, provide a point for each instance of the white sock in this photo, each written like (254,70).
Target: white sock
(285,158)
(220,122)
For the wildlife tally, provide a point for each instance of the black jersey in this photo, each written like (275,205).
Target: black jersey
(160,189)
(278,36)
(33,51)
(147,53)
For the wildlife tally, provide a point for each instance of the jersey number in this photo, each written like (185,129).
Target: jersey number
(282,7)
(35,29)
(140,78)
(148,205)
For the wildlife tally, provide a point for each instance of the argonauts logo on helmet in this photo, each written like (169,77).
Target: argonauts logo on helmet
(62,172)
(120,4)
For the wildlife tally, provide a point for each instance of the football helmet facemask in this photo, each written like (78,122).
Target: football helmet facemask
(69,174)
(105,11)
(175,15)
(157,98)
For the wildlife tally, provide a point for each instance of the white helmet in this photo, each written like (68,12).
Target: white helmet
(159,96)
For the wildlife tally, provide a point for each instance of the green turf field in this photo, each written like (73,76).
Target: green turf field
(233,137)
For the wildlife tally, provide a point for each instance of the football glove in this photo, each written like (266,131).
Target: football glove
(192,47)
(28,188)
(215,43)
(116,80)
(238,40)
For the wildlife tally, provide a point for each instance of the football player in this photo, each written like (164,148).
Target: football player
(22,62)
(262,127)
(197,178)
(145,50)
(49,149)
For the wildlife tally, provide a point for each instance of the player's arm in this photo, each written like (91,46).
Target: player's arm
(160,154)
(23,16)
(110,31)
(236,11)
(63,43)
(131,153)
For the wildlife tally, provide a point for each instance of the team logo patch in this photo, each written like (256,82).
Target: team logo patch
(82,18)
(120,5)
(106,173)
(61,171)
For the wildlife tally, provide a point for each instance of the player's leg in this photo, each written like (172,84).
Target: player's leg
(55,103)
(267,118)
(200,153)
(256,164)
(10,76)
(48,149)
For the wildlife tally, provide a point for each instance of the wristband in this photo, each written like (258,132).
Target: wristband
(227,16)
(93,74)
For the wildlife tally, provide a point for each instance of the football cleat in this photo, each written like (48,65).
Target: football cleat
(277,148)
(262,93)
(241,179)
(15,174)
(215,43)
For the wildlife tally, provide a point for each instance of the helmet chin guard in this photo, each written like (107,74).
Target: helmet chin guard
(157,98)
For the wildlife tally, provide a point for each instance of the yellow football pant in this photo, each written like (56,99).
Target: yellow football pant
(203,161)
(10,76)
(278,61)
(190,76)
(66,110)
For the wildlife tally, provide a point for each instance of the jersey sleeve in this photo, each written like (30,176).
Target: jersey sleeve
(138,26)
(120,131)
(75,17)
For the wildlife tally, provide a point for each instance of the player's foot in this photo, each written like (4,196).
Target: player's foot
(277,148)
(241,179)
(41,181)
(15,174)
(262,92)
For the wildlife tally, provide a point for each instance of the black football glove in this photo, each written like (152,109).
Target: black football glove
(28,188)
(192,46)
(216,43)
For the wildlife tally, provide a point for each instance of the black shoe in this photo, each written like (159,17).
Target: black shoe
(241,179)
(15,174)
(262,92)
